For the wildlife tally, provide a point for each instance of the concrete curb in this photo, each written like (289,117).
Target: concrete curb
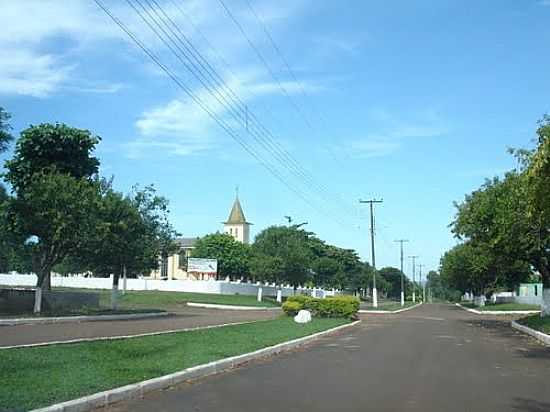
(136,390)
(65,319)
(541,337)
(140,335)
(229,307)
(498,312)
(384,312)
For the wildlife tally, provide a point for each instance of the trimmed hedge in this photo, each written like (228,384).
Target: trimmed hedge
(333,307)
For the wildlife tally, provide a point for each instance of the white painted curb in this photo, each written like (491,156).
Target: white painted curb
(64,319)
(229,307)
(140,335)
(542,337)
(136,390)
(498,312)
(384,312)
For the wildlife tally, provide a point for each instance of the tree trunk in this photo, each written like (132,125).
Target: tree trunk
(43,283)
(114,292)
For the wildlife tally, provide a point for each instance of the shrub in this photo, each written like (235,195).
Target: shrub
(333,307)
(291,308)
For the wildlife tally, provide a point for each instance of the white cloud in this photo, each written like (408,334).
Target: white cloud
(182,127)
(24,72)
(391,131)
(29,63)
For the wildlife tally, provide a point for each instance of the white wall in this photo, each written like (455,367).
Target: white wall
(198,286)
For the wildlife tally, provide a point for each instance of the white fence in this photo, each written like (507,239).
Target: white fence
(222,287)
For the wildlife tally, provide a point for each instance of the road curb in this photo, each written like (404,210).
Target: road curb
(140,335)
(541,337)
(229,307)
(385,312)
(136,390)
(498,312)
(66,319)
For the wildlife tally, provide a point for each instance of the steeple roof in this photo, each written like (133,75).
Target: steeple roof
(237,215)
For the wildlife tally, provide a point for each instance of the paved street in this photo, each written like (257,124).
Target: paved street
(185,318)
(432,358)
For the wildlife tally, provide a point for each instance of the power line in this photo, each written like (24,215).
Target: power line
(216,86)
(213,84)
(203,106)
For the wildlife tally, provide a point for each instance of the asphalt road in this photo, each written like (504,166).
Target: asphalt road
(432,358)
(186,318)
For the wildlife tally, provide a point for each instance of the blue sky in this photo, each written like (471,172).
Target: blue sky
(412,102)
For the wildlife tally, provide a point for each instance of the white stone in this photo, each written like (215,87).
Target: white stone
(279,295)
(304,316)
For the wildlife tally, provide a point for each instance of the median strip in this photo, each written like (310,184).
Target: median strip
(60,373)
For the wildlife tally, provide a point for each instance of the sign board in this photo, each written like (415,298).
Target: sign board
(201,265)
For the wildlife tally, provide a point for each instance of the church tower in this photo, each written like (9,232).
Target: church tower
(236,224)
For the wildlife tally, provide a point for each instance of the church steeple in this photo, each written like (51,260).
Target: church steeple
(236,224)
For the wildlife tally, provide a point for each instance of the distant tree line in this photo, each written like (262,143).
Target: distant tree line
(294,256)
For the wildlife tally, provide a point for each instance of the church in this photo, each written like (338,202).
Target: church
(175,266)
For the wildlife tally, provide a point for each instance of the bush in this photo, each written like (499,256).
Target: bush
(333,307)
(291,308)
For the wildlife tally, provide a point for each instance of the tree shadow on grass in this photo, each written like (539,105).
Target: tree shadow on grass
(530,405)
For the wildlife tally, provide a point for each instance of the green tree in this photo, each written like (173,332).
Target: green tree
(538,202)
(49,147)
(233,256)
(54,210)
(290,246)
(5,128)
(393,277)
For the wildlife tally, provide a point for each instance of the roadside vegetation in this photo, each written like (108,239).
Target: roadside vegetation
(333,307)
(502,306)
(542,324)
(502,228)
(58,373)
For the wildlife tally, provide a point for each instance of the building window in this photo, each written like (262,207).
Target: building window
(236,232)
(231,231)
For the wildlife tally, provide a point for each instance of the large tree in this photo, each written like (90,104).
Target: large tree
(233,256)
(290,246)
(53,212)
(52,147)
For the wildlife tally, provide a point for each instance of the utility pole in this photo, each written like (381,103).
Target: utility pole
(423,284)
(401,241)
(414,285)
(374,292)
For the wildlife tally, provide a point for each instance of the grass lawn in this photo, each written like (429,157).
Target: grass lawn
(152,301)
(165,300)
(537,323)
(40,376)
(502,306)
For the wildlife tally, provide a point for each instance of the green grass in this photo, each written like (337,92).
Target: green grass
(40,376)
(537,323)
(153,301)
(502,306)
(162,300)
